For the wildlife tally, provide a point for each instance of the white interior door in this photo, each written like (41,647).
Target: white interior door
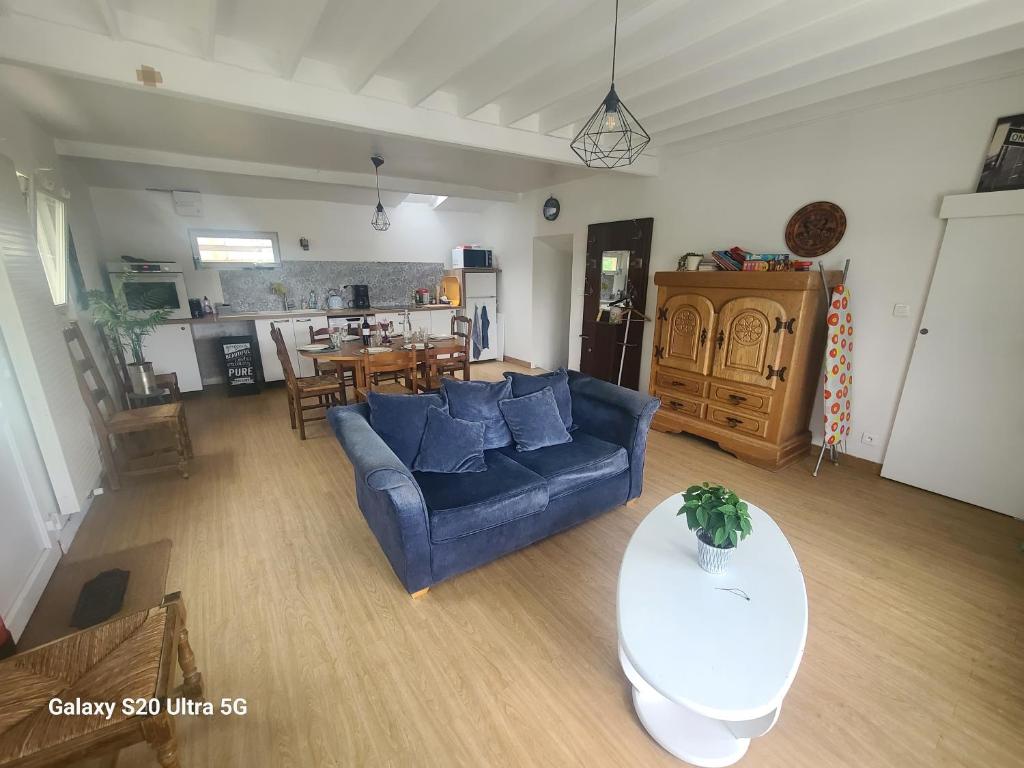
(960,424)
(27,552)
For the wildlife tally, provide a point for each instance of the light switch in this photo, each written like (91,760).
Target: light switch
(901,310)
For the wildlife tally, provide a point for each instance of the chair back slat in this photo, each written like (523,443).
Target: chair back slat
(97,399)
(462,328)
(115,358)
(282,355)
(398,361)
(318,334)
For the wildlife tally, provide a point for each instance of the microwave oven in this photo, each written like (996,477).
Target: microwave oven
(150,286)
(479,258)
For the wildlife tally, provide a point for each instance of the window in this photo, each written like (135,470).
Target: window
(52,242)
(228,249)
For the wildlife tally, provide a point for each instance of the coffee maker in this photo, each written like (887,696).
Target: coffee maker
(360,296)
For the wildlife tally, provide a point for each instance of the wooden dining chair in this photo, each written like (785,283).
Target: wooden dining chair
(399,363)
(115,428)
(429,369)
(326,389)
(122,382)
(457,360)
(346,373)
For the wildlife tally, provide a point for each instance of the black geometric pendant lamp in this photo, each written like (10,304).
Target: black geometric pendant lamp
(380,220)
(612,137)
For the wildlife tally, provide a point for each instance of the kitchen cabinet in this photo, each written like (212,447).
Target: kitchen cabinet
(737,357)
(171,349)
(441,321)
(295,333)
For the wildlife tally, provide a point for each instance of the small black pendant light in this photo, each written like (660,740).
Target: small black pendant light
(612,137)
(380,220)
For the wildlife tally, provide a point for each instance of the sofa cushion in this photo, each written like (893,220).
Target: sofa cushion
(478,401)
(459,505)
(534,420)
(527,384)
(571,466)
(450,445)
(400,421)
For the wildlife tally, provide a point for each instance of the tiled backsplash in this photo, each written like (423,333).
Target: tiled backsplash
(391,283)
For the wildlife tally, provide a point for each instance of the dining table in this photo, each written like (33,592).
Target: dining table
(353,354)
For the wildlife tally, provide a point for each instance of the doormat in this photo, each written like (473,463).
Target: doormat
(53,616)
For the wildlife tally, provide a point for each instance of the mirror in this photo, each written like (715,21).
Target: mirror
(614,269)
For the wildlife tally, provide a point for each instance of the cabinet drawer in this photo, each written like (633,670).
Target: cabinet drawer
(741,422)
(679,383)
(740,399)
(672,402)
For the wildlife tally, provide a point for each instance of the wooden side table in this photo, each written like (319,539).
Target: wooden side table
(131,657)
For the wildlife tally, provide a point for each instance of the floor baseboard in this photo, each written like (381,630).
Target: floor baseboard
(517,361)
(866,465)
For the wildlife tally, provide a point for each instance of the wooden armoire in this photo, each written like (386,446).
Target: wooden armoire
(737,359)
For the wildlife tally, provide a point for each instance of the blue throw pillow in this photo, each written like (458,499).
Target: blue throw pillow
(478,401)
(400,421)
(525,384)
(534,421)
(451,445)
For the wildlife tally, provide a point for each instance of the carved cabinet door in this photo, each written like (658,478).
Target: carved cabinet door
(748,343)
(686,333)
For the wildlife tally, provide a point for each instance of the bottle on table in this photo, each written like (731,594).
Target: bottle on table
(366,332)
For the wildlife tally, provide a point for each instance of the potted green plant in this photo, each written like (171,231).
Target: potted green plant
(721,521)
(127,329)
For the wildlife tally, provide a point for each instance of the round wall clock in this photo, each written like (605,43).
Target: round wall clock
(815,229)
(551,209)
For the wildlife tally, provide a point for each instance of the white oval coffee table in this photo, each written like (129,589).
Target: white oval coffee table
(709,667)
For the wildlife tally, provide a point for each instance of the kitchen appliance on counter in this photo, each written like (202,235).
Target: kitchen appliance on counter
(360,296)
(471,256)
(149,286)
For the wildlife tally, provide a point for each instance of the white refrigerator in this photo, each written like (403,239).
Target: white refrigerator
(480,304)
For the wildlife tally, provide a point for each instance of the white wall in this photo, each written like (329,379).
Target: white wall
(552,300)
(888,167)
(144,224)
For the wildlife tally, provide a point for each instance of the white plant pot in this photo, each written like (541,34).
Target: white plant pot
(711,558)
(692,262)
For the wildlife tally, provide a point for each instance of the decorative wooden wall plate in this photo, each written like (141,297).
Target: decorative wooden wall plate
(815,229)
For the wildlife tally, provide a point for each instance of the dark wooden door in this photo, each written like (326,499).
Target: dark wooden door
(602,342)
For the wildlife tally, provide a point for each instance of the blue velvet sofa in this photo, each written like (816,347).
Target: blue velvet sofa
(433,526)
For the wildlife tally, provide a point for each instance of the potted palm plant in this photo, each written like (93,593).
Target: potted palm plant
(720,520)
(127,329)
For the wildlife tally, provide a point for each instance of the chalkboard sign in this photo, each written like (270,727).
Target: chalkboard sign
(239,365)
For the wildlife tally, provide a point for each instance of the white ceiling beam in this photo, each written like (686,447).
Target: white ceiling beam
(645,37)
(849,43)
(464,31)
(671,55)
(983,57)
(83,54)
(292,57)
(380,47)
(160,158)
(208,31)
(532,51)
(108,13)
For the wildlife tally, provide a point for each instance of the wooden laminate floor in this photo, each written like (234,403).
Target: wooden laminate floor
(915,651)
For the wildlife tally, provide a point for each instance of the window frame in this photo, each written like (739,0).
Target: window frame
(36,194)
(194,234)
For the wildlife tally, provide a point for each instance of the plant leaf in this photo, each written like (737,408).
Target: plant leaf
(732,538)
(742,506)
(691,520)
(702,517)
(719,536)
(693,489)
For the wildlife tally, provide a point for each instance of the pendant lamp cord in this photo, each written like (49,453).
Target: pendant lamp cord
(376,173)
(615,40)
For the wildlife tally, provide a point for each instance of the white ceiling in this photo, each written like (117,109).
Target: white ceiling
(508,77)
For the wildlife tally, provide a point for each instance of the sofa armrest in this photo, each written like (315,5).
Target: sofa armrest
(388,495)
(615,414)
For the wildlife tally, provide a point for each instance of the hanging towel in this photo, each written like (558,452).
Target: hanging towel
(485,324)
(838,367)
(476,331)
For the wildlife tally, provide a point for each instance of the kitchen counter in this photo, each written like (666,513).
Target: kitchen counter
(270,314)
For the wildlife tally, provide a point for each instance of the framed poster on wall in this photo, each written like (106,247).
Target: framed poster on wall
(1004,159)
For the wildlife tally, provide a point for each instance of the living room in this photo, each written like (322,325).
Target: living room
(510,566)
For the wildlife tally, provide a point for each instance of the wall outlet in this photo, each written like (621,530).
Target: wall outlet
(901,310)
(868,439)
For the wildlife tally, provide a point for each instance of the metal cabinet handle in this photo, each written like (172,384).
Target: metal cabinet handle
(733,422)
(721,339)
(737,398)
